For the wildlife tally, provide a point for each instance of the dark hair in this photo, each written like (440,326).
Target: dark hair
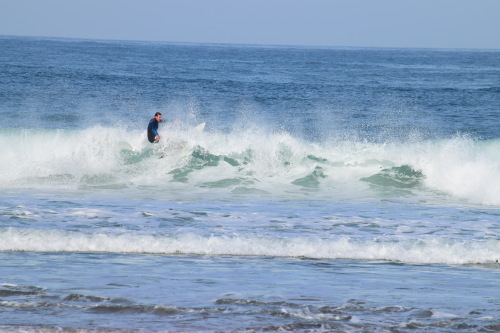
(157,114)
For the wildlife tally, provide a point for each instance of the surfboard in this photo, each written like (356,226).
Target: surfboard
(180,146)
(200,127)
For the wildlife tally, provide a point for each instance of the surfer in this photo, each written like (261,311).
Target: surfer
(153,135)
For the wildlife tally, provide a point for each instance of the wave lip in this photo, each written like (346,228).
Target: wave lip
(398,177)
(428,251)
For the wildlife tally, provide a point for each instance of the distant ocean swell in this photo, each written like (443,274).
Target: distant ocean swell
(436,250)
(249,162)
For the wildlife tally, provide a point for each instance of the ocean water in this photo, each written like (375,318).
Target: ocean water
(332,190)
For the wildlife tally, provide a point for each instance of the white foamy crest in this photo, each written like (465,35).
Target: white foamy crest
(462,167)
(35,154)
(438,250)
(248,161)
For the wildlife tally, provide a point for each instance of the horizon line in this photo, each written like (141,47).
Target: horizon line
(249,44)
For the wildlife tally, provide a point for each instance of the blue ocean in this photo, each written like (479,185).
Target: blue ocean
(333,189)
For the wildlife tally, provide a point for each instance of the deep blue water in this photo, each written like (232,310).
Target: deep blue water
(349,189)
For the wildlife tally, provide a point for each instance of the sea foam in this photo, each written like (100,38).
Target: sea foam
(429,251)
(250,162)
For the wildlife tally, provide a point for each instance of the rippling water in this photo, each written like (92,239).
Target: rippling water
(332,188)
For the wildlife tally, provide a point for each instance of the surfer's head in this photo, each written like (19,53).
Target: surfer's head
(158,116)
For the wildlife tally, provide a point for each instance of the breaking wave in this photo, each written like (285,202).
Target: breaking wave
(250,162)
(422,251)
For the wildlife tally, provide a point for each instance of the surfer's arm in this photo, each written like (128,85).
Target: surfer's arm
(155,131)
(154,128)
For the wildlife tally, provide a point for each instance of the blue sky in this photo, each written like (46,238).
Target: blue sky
(371,23)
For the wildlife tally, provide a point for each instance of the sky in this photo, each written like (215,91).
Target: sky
(470,24)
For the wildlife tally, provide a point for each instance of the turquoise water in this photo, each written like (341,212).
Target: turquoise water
(332,189)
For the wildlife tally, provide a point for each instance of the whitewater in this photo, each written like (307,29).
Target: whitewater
(246,161)
(333,189)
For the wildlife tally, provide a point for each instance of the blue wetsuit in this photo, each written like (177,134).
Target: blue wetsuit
(153,130)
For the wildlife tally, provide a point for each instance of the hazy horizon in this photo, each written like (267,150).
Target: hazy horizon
(438,24)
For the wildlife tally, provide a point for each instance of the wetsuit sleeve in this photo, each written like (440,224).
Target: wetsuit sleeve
(155,128)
